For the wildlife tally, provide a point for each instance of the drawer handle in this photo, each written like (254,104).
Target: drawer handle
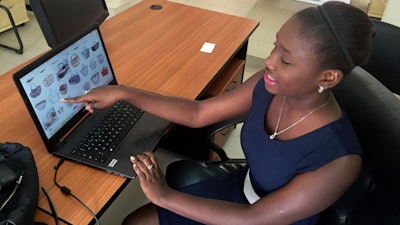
(235,83)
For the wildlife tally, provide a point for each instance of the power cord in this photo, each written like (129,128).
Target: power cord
(53,210)
(67,191)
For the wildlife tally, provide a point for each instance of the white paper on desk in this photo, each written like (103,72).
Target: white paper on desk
(207,47)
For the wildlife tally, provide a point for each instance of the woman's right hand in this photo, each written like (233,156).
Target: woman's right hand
(97,98)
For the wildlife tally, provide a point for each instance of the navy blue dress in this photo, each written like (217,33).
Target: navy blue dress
(273,163)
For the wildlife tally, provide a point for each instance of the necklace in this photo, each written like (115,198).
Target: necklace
(276,133)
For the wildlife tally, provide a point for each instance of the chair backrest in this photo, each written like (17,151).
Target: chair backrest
(375,114)
(385,55)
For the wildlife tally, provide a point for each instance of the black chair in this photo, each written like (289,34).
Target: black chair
(385,55)
(373,199)
(189,171)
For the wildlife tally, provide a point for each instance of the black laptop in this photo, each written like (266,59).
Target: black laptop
(104,139)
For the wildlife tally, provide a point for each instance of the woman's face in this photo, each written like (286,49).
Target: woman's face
(292,67)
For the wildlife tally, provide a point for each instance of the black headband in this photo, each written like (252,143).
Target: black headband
(338,36)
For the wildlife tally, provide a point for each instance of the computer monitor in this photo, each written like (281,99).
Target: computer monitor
(61,20)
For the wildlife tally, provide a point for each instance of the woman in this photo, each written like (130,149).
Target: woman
(301,150)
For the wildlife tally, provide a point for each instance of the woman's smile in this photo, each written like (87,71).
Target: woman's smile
(268,79)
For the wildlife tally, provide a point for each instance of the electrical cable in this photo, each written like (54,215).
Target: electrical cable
(67,191)
(53,210)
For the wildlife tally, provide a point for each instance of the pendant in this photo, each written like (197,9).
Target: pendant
(272,136)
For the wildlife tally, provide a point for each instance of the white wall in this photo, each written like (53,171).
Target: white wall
(391,14)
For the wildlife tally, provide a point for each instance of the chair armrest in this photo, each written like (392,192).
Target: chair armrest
(183,173)
(196,143)
(215,128)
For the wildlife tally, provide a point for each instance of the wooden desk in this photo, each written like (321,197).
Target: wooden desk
(156,50)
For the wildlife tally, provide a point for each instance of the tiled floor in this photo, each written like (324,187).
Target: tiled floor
(271,14)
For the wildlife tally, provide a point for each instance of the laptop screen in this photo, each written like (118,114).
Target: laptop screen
(69,71)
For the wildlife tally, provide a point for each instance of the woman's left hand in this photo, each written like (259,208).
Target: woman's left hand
(151,177)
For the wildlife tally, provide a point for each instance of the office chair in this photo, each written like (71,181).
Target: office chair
(385,55)
(375,114)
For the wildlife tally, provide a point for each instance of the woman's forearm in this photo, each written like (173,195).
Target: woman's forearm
(204,210)
(177,110)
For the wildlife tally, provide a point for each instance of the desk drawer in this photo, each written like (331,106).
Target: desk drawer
(228,80)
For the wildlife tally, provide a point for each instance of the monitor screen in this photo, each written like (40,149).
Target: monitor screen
(67,71)
(61,20)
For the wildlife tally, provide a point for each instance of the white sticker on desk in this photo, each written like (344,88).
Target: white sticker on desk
(207,47)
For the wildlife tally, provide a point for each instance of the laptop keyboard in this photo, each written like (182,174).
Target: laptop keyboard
(100,143)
